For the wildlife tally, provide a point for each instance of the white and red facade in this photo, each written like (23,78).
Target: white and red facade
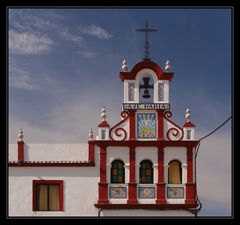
(84,172)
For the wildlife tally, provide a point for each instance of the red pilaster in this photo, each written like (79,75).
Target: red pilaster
(160,125)
(132,186)
(132,124)
(102,185)
(161,199)
(91,151)
(20,150)
(190,186)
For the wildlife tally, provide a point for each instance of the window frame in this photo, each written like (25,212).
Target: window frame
(111,172)
(46,182)
(140,172)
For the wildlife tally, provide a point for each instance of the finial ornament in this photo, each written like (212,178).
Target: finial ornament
(168,67)
(91,134)
(124,66)
(20,135)
(188,115)
(103,114)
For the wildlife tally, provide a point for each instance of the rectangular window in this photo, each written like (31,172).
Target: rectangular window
(188,134)
(131,92)
(160,91)
(47,195)
(103,134)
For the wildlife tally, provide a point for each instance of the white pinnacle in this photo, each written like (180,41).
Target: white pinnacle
(91,134)
(124,66)
(20,135)
(103,114)
(168,67)
(188,115)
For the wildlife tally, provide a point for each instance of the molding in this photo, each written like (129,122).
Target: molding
(51,164)
(146,206)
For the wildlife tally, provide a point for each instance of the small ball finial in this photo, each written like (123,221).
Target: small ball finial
(20,135)
(124,66)
(91,134)
(168,67)
(103,113)
(188,115)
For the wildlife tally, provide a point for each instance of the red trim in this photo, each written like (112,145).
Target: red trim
(190,193)
(104,124)
(102,185)
(50,164)
(189,124)
(146,206)
(160,125)
(91,151)
(136,143)
(132,186)
(34,185)
(189,165)
(161,199)
(149,65)
(190,186)
(132,125)
(20,150)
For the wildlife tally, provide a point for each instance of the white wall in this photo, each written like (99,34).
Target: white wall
(145,212)
(80,190)
(50,152)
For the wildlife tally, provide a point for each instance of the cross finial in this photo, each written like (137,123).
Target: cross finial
(146,44)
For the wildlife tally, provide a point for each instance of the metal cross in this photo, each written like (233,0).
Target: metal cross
(146,44)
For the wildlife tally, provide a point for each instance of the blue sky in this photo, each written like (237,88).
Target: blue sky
(64,66)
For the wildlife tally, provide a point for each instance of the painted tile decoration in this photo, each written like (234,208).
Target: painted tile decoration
(146,192)
(175,192)
(117,192)
(146,125)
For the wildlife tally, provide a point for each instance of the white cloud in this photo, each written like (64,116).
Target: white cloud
(29,43)
(66,35)
(97,31)
(88,54)
(21,79)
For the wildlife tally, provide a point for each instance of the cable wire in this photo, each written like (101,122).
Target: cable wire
(197,149)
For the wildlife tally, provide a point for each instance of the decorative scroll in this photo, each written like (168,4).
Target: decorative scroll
(175,192)
(120,132)
(117,192)
(146,192)
(173,131)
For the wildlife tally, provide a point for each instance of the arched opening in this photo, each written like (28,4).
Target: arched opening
(146,172)
(117,172)
(174,172)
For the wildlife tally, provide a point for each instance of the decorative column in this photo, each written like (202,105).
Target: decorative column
(132,186)
(161,199)
(160,125)
(190,185)
(132,124)
(102,185)
(20,146)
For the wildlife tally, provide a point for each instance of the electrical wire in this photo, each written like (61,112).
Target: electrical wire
(197,149)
